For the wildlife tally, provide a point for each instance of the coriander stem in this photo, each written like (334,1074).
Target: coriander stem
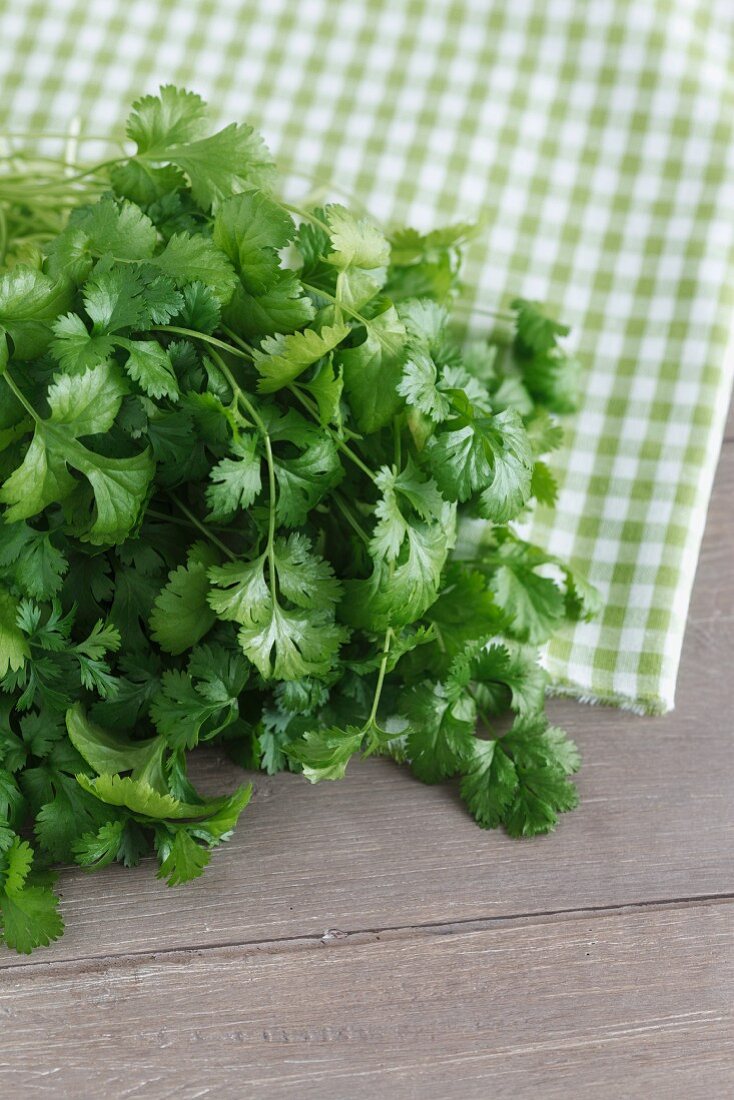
(332,298)
(244,400)
(341,445)
(350,518)
(396,426)
(91,171)
(306,216)
(238,340)
(380,677)
(212,340)
(502,314)
(202,527)
(297,391)
(20,396)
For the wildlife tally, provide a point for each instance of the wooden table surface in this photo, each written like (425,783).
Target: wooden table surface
(365,939)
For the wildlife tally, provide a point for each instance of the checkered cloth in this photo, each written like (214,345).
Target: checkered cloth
(595,136)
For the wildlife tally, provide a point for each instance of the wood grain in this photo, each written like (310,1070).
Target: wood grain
(631,1004)
(656,822)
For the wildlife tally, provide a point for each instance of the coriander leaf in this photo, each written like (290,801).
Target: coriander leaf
(543,485)
(150,366)
(490,784)
(583,600)
(355,243)
(235,482)
(200,308)
(464,611)
(30,918)
(397,594)
(13,645)
(442,719)
(532,604)
(100,849)
(110,753)
(488,455)
(80,406)
(325,753)
(199,704)
(169,118)
(372,371)
(535,330)
(402,493)
(75,347)
(419,387)
(148,804)
(17,860)
(283,308)
(87,404)
(181,615)
(326,387)
(37,566)
(232,160)
(288,644)
(119,486)
(117,228)
(304,480)
(508,674)
(304,578)
(281,359)
(549,373)
(188,259)
(544,432)
(240,591)
(250,228)
(29,303)
(184,859)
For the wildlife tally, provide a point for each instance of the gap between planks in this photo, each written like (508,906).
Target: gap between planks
(336,937)
(610,1005)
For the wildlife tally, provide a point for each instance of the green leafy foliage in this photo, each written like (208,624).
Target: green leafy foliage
(239,444)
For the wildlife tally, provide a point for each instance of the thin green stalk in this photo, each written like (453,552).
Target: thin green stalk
(238,340)
(501,314)
(212,340)
(64,181)
(20,396)
(341,445)
(350,518)
(18,135)
(305,215)
(244,400)
(372,720)
(398,442)
(202,527)
(332,298)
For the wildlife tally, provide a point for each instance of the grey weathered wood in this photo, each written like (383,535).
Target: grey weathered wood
(630,1004)
(378,848)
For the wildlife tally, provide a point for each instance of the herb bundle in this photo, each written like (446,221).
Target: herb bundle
(237,444)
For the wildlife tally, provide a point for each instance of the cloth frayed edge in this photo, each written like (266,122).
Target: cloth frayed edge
(652,706)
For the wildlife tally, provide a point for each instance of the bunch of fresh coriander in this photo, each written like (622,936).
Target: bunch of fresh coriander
(236,438)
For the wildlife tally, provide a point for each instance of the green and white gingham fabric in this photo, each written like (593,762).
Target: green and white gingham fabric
(597,139)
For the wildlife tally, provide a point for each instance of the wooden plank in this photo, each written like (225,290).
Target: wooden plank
(612,1005)
(656,822)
